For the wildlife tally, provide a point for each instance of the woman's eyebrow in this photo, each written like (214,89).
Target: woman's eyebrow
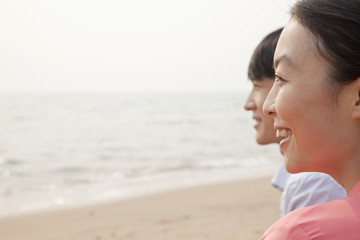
(285,59)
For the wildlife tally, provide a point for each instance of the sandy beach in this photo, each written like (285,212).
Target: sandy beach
(224,211)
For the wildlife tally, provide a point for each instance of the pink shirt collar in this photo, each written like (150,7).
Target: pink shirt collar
(355,190)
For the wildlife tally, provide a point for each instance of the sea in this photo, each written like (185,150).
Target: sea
(68,149)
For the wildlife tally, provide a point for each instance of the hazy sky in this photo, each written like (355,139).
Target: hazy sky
(90,45)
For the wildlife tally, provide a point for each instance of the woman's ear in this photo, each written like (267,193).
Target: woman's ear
(356,107)
(358,101)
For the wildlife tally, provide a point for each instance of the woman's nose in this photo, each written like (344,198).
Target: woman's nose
(269,104)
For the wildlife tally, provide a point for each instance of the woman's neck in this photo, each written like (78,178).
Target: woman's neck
(349,176)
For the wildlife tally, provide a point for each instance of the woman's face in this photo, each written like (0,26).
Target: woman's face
(316,129)
(264,125)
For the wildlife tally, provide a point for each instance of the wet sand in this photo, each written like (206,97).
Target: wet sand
(240,210)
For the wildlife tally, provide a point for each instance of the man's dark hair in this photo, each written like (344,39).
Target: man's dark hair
(261,63)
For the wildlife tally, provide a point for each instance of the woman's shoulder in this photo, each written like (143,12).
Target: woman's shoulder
(338,219)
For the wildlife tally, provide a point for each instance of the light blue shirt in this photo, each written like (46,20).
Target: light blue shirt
(305,189)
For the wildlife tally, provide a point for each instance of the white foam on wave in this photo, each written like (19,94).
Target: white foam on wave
(131,187)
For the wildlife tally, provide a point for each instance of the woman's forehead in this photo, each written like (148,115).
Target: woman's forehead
(295,46)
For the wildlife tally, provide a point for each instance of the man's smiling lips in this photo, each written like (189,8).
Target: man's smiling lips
(258,122)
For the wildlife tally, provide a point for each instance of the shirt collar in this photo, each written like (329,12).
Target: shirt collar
(280,178)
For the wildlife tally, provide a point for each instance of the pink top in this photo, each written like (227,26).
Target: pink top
(338,219)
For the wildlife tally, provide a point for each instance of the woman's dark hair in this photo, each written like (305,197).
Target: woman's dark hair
(335,25)
(261,63)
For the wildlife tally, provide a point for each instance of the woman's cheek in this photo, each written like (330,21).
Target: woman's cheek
(283,105)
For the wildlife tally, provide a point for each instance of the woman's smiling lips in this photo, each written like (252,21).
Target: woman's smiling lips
(284,133)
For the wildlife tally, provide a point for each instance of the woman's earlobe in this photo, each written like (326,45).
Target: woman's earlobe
(358,101)
(356,107)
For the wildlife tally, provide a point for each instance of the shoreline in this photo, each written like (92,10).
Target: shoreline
(241,209)
(130,188)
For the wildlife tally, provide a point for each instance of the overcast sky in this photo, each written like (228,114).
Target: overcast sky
(101,45)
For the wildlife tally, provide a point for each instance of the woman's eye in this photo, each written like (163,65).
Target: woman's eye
(278,79)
